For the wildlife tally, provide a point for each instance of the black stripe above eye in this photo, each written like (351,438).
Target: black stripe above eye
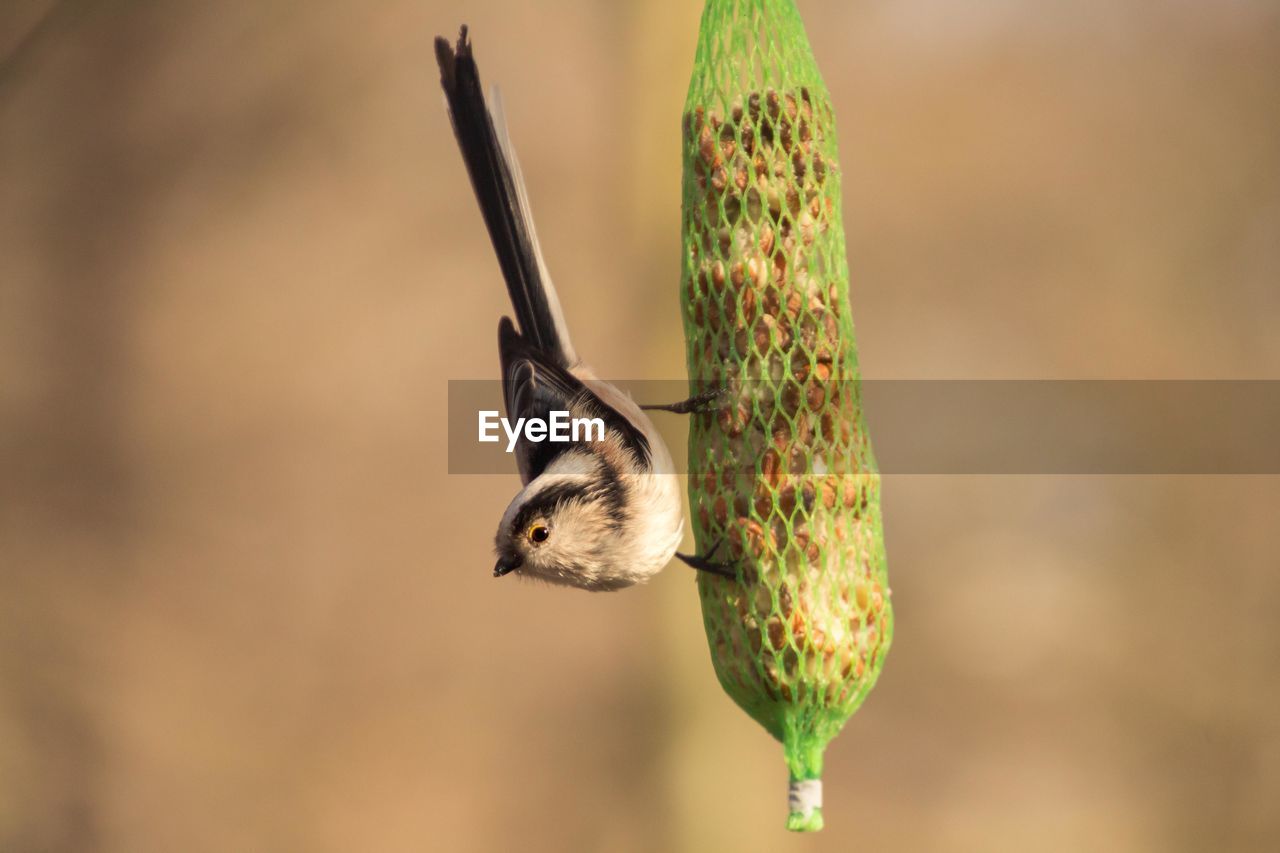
(604,486)
(545,502)
(610,492)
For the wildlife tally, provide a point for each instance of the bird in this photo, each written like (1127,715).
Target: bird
(597,515)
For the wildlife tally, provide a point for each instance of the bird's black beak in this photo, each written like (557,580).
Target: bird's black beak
(507,565)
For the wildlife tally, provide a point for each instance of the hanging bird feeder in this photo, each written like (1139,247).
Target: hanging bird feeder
(783,483)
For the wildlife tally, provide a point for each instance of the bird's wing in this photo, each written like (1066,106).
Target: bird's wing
(533,386)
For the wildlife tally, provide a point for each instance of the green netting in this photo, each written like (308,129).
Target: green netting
(783,475)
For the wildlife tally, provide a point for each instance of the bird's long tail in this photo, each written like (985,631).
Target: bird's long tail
(499,187)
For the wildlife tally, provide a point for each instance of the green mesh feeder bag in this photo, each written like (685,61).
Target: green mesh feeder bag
(782,478)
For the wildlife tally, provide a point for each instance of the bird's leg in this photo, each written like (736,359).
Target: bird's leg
(697,404)
(708,563)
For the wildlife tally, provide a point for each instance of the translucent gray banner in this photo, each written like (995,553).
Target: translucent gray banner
(989,426)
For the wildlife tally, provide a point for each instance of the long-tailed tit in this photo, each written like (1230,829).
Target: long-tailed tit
(599,515)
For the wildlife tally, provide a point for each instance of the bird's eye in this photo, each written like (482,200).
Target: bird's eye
(538,534)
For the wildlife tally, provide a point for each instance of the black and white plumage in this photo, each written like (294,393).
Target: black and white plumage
(598,515)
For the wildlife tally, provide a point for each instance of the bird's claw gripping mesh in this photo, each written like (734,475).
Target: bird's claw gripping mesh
(782,473)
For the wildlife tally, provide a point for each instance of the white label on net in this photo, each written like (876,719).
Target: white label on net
(805,796)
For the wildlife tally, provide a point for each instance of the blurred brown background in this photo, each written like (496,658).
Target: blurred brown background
(243,607)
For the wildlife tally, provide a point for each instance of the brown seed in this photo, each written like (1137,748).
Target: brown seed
(741,178)
(721,511)
(850,492)
(794,303)
(766,133)
(733,420)
(772,103)
(770,467)
(791,396)
(783,427)
(728,141)
(766,241)
(831,326)
(777,634)
(785,335)
(717,275)
(748,300)
(815,395)
(707,146)
(713,320)
(828,493)
(780,267)
(763,327)
(791,665)
(818,638)
(804,224)
(758,540)
(769,302)
(808,496)
(719,179)
(787,501)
